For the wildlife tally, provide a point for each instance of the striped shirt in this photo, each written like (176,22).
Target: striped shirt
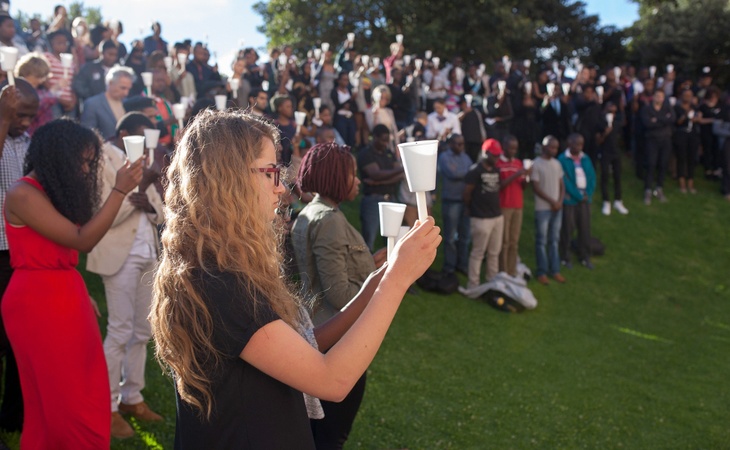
(11,169)
(64,93)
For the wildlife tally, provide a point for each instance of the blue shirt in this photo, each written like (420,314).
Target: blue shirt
(453,168)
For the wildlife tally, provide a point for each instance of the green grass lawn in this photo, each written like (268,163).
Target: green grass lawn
(633,354)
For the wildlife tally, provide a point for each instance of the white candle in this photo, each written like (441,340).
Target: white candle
(8,58)
(147,81)
(220,102)
(528,87)
(391,218)
(168,63)
(151,137)
(351,37)
(399,38)
(179,110)
(67,61)
(234,82)
(428,54)
(325,46)
(317,102)
(419,163)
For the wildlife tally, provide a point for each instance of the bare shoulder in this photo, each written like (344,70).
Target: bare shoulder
(22,196)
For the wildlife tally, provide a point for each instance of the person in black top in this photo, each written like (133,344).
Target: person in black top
(657,119)
(226,324)
(710,110)
(686,140)
(589,120)
(481,201)
(381,174)
(610,158)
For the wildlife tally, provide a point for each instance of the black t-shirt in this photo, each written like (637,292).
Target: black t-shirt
(251,410)
(386,161)
(485,196)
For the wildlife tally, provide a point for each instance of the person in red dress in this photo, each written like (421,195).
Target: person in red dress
(49,317)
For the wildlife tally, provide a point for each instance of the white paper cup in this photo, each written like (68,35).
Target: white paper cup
(220,102)
(317,102)
(419,64)
(652,71)
(550,89)
(146,78)
(299,118)
(317,53)
(399,38)
(67,60)
(151,137)
(134,145)
(234,83)
(428,54)
(182,59)
(407,60)
(469,98)
(691,114)
(436,61)
(282,60)
(8,59)
(168,62)
(376,62)
(528,87)
(501,85)
(599,92)
(265,86)
(419,163)
(617,72)
(391,218)
(609,119)
(325,46)
(672,101)
(602,79)
(527,63)
(670,68)
(527,163)
(179,110)
(351,37)
(566,89)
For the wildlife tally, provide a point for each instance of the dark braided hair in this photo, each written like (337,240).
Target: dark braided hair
(58,152)
(327,170)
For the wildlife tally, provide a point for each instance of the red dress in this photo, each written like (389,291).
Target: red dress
(54,334)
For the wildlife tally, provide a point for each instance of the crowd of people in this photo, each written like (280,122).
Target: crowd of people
(254,189)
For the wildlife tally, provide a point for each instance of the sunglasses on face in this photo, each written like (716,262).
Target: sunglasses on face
(268,170)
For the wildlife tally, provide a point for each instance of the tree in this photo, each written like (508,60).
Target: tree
(477,30)
(91,14)
(690,34)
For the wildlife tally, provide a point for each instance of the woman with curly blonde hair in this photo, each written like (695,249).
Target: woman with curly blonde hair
(226,323)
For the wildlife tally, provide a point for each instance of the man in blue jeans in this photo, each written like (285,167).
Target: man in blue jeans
(547,183)
(453,165)
(381,174)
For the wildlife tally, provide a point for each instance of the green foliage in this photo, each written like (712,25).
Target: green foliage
(476,30)
(92,14)
(688,33)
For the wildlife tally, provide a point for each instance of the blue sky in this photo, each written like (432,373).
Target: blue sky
(226,23)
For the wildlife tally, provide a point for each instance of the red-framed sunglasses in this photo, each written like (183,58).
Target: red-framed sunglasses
(275,170)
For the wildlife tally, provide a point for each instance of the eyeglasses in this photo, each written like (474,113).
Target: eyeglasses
(267,170)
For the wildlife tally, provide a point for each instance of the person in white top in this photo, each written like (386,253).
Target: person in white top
(442,123)
(126,258)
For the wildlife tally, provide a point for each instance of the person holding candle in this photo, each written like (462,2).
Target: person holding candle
(345,108)
(512,175)
(125,259)
(60,81)
(50,216)
(333,262)
(481,203)
(381,173)
(610,158)
(233,336)
(658,120)
(547,184)
(686,140)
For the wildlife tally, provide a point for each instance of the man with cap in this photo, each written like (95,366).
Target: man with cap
(481,203)
(18,107)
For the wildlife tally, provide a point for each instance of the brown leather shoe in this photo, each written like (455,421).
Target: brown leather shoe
(543,279)
(120,428)
(140,411)
(559,278)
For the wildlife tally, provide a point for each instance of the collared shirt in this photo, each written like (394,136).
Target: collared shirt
(11,169)
(437,124)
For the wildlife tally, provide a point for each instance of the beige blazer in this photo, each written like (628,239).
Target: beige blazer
(110,253)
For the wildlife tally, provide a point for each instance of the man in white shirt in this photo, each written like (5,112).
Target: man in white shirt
(442,123)
(126,258)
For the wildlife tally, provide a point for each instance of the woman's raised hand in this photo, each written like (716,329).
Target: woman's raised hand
(415,253)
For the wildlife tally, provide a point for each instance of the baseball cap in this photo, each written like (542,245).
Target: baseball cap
(492,146)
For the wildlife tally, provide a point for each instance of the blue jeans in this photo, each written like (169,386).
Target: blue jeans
(547,237)
(456,236)
(370,218)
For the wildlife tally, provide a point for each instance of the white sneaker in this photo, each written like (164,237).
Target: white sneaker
(606,210)
(619,206)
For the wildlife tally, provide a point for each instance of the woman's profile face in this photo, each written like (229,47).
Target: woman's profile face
(268,192)
(354,183)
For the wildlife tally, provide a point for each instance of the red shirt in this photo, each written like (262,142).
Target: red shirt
(511,195)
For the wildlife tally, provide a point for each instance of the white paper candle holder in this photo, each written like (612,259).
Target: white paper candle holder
(391,218)
(220,102)
(419,162)
(8,59)
(234,83)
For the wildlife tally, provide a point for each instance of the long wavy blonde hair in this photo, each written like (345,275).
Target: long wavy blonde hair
(214,222)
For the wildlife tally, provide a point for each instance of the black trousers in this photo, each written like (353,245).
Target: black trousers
(725,183)
(611,162)
(657,158)
(576,216)
(686,146)
(331,432)
(11,410)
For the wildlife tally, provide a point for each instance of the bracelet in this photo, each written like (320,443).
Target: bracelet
(120,191)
